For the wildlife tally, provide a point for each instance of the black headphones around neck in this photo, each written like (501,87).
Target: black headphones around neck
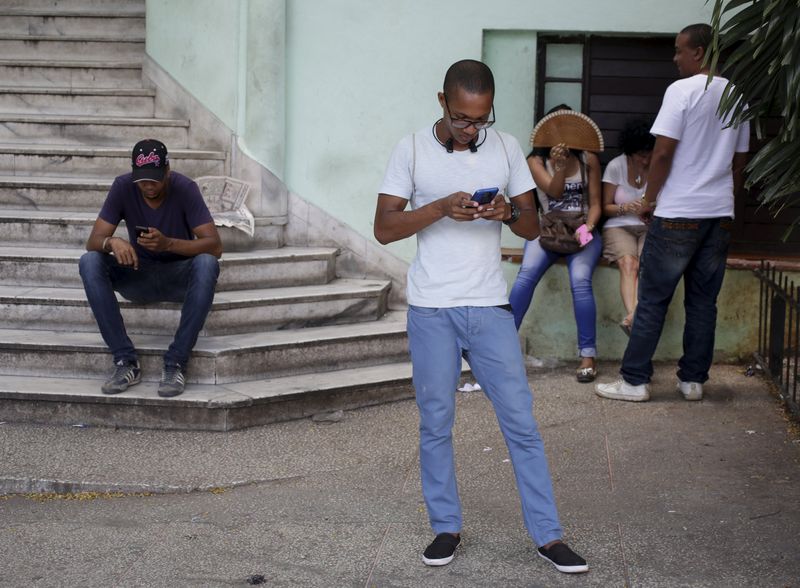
(473,147)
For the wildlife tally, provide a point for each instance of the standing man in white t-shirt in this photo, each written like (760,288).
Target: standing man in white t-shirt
(458,303)
(696,168)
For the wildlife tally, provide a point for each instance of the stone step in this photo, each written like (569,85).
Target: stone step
(91,130)
(60,167)
(266,268)
(239,311)
(222,407)
(70,229)
(73,74)
(88,47)
(127,7)
(215,360)
(71,23)
(130,102)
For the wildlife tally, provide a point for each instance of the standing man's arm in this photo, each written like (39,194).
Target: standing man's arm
(393,222)
(660,166)
(737,167)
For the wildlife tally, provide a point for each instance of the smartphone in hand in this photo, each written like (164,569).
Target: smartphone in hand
(140,230)
(484,195)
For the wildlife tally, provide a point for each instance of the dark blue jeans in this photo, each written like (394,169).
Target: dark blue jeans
(191,281)
(692,249)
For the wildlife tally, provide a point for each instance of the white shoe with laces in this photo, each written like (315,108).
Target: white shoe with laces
(690,390)
(621,390)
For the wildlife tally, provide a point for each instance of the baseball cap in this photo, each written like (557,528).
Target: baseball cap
(149,160)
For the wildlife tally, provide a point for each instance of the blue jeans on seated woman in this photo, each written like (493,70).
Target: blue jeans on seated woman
(536,261)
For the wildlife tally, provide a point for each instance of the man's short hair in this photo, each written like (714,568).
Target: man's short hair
(700,35)
(473,76)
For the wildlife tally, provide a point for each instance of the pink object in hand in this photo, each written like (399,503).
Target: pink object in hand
(584,235)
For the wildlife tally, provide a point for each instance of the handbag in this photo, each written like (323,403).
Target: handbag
(557,227)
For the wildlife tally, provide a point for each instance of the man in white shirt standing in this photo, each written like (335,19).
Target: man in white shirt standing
(695,171)
(458,303)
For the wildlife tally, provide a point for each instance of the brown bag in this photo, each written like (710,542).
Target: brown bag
(557,231)
(557,227)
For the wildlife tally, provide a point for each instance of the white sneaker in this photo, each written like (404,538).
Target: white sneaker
(621,390)
(690,390)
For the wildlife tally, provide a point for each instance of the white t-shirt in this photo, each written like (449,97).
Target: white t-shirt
(700,183)
(617,174)
(457,263)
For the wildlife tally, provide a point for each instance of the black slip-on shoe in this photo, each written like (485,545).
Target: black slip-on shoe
(442,550)
(564,559)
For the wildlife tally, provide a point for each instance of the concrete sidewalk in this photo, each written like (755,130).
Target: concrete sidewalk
(665,493)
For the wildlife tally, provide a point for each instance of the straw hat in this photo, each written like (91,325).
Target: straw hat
(574,129)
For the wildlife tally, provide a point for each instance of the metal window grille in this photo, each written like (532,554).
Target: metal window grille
(779,331)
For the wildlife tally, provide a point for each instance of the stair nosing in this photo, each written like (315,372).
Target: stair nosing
(71,13)
(56,90)
(67,119)
(87,150)
(71,63)
(72,38)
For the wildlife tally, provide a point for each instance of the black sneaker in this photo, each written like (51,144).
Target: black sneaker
(126,374)
(172,381)
(442,550)
(565,560)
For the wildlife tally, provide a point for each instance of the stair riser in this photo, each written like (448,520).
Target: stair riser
(82,105)
(172,416)
(79,50)
(88,165)
(52,199)
(102,134)
(70,77)
(49,273)
(161,320)
(203,369)
(73,234)
(124,28)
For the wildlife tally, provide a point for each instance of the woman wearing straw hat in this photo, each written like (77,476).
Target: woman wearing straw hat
(568,180)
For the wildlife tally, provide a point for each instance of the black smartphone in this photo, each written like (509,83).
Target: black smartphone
(485,195)
(140,230)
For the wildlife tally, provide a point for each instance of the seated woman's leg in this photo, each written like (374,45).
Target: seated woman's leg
(581,267)
(628,272)
(535,261)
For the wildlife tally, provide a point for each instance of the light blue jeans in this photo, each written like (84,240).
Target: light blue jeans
(536,261)
(487,338)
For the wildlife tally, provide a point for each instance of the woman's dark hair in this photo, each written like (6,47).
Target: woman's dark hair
(635,136)
(544,152)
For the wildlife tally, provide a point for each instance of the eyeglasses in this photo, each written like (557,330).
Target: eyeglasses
(463,123)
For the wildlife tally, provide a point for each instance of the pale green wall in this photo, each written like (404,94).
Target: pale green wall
(197,42)
(230,55)
(320,92)
(736,320)
(363,73)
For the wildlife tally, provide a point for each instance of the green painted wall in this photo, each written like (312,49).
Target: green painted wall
(320,92)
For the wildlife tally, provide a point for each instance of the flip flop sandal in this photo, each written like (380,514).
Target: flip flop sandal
(586,375)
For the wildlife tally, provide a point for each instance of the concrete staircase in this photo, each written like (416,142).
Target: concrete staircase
(285,338)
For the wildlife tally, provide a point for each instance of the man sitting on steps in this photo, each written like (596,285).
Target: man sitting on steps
(170,256)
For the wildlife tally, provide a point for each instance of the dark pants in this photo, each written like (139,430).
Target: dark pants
(696,250)
(191,281)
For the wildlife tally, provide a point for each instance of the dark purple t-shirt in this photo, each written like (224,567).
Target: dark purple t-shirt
(181,211)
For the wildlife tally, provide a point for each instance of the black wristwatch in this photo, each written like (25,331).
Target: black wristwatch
(514,214)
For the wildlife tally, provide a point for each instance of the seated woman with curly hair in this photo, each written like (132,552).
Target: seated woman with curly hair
(624,182)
